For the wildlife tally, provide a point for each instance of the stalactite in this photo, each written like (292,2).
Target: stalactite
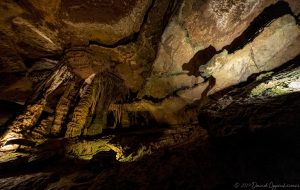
(81,113)
(22,123)
(111,88)
(117,113)
(63,107)
(60,76)
(97,93)
(86,83)
(43,129)
(15,134)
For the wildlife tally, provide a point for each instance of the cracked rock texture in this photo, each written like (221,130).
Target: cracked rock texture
(264,53)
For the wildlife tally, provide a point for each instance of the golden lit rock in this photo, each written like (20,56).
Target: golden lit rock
(149,94)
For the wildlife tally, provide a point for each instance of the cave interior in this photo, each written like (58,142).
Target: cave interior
(149,94)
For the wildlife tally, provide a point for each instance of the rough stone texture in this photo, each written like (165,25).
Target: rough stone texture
(87,149)
(260,55)
(161,87)
(270,91)
(40,70)
(37,38)
(15,88)
(10,60)
(106,22)
(132,146)
(63,107)
(295,6)
(84,110)
(8,10)
(266,52)
(44,10)
(43,130)
(131,68)
(17,132)
(283,83)
(22,123)
(27,25)
(218,23)
(133,61)
(197,25)
(192,27)
(38,181)
(32,27)
(166,111)
(175,50)
(59,77)
(80,62)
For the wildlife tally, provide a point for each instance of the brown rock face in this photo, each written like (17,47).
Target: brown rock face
(112,81)
(102,11)
(10,60)
(218,23)
(103,21)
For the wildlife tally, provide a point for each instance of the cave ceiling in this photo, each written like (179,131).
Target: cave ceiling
(74,68)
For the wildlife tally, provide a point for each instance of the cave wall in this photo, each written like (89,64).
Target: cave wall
(154,58)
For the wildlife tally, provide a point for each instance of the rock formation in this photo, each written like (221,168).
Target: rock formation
(110,85)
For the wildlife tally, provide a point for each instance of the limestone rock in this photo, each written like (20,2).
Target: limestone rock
(47,11)
(264,53)
(60,76)
(15,133)
(106,22)
(175,50)
(38,181)
(12,160)
(244,109)
(96,98)
(295,6)
(43,130)
(15,88)
(83,110)
(40,70)
(39,39)
(43,64)
(219,22)
(10,60)
(63,107)
(196,26)
(8,10)
(86,149)
(166,85)
(280,84)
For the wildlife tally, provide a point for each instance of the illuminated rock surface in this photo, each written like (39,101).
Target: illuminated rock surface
(149,94)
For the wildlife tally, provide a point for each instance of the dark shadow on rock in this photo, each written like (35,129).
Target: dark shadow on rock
(200,58)
(262,20)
